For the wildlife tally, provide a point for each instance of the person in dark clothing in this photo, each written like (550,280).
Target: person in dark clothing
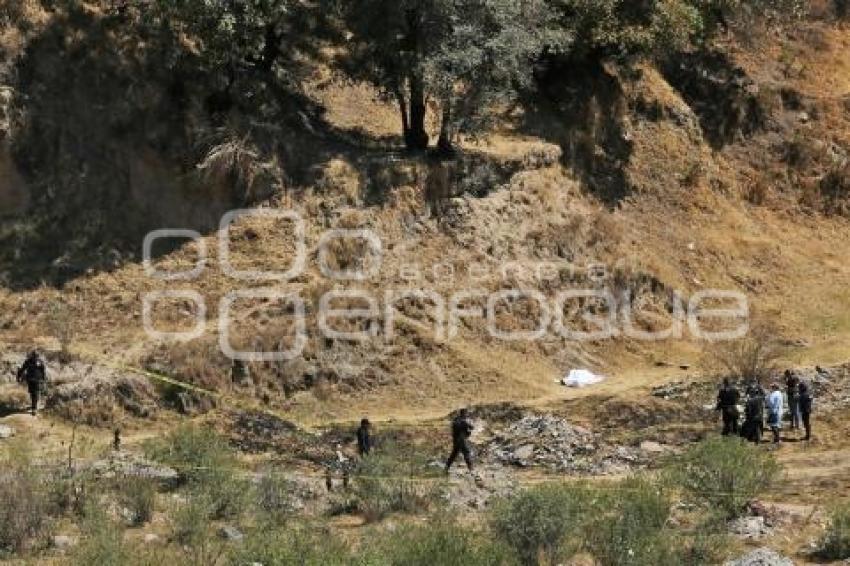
(757,391)
(364,439)
(461,431)
(792,385)
(805,408)
(751,429)
(727,404)
(34,374)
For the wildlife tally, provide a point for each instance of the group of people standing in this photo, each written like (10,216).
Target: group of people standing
(760,404)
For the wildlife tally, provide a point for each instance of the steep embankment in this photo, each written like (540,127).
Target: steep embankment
(709,171)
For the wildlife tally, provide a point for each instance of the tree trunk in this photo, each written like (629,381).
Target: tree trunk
(416,138)
(444,144)
(402,107)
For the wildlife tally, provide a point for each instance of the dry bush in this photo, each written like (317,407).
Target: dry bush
(24,504)
(59,320)
(238,162)
(757,192)
(835,191)
(753,357)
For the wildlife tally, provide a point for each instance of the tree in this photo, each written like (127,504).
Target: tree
(241,49)
(468,56)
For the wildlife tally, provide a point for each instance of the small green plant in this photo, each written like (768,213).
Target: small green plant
(443,542)
(835,543)
(102,542)
(629,529)
(724,474)
(138,496)
(537,523)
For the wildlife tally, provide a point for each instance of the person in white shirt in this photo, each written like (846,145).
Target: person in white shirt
(774,411)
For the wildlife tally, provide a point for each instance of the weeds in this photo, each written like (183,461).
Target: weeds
(138,496)
(102,542)
(724,474)
(380,486)
(301,545)
(835,543)
(443,542)
(190,523)
(23,512)
(273,497)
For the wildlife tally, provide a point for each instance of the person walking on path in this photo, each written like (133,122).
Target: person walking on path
(34,374)
(461,431)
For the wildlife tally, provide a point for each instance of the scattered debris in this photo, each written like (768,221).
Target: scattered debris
(761,557)
(751,528)
(552,442)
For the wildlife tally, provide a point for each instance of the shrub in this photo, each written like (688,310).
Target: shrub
(835,543)
(753,357)
(24,517)
(301,545)
(381,486)
(273,496)
(190,523)
(724,473)
(207,463)
(23,514)
(68,492)
(194,451)
(138,496)
(442,542)
(536,522)
(709,545)
(102,542)
(630,528)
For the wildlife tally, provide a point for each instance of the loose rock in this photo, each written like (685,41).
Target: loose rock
(761,557)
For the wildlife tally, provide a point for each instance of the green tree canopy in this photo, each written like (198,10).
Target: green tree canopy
(464,55)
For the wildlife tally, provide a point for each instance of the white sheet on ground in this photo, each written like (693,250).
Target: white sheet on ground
(581,378)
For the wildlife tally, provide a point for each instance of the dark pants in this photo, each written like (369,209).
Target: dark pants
(807,424)
(730,420)
(34,389)
(460,448)
(751,430)
(794,408)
